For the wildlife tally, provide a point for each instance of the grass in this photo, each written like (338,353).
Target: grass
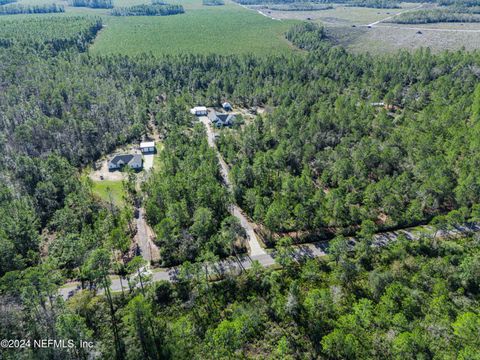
(228,29)
(156,160)
(109,191)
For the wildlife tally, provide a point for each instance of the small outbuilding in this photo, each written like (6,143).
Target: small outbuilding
(199,111)
(227,106)
(147,147)
(134,161)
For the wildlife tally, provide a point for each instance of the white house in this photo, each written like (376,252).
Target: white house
(119,161)
(147,147)
(199,111)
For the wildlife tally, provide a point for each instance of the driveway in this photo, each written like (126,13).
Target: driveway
(253,244)
(148,161)
(144,238)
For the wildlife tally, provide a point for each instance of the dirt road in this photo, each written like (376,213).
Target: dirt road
(254,246)
(144,238)
(395,15)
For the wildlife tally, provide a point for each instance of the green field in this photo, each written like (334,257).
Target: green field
(109,191)
(228,29)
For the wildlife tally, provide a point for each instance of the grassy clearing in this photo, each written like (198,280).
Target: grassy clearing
(228,29)
(156,160)
(109,191)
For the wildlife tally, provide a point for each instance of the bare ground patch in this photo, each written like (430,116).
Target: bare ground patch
(384,39)
(101,172)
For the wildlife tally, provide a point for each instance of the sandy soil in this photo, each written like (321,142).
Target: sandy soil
(104,174)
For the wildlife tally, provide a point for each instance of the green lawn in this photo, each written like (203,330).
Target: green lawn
(228,29)
(107,190)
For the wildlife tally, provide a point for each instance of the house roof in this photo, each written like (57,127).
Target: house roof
(130,159)
(212,115)
(147,144)
(222,118)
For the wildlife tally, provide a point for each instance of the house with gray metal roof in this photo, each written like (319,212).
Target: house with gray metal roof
(220,120)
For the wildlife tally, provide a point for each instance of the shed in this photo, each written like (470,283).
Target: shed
(147,147)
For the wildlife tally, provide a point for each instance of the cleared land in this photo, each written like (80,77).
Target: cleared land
(388,39)
(228,29)
(339,15)
(347,26)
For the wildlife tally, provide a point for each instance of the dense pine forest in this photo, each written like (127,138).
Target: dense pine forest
(16,9)
(347,145)
(94,4)
(453,14)
(156,9)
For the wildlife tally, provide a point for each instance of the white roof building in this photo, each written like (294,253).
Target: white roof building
(147,146)
(199,110)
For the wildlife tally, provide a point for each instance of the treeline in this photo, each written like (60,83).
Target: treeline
(307,36)
(94,4)
(292,4)
(298,7)
(148,10)
(31,9)
(376,4)
(51,35)
(434,16)
(459,3)
(213,2)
